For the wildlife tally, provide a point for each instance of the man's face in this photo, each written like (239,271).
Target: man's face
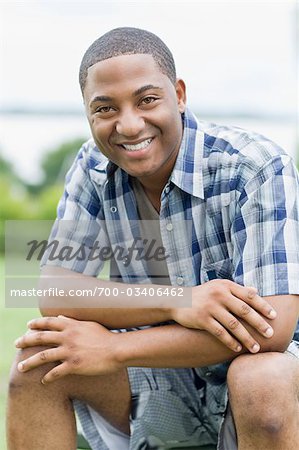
(134,113)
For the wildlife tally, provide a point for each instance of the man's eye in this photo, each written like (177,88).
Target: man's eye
(103,109)
(148,100)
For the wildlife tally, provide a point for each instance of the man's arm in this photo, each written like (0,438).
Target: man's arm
(176,346)
(216,307)
(103,308)
(165,346)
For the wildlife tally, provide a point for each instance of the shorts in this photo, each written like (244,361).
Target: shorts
(170,408)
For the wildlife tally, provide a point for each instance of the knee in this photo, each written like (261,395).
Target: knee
(269,374)
(260,388)
(19,381)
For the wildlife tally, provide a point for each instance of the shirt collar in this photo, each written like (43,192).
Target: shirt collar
(106,166)
(187,172)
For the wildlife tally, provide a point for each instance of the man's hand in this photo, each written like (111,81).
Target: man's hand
(216,307)
(82,348)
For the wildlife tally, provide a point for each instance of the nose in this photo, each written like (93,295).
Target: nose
(130,124)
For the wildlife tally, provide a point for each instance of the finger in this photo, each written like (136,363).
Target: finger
(250,296)
(40,358)
(47,323)
(235,327)
(249,314)
(216,329)
(39,338)
(55,374)
(261,305)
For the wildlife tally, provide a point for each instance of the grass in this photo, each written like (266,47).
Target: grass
(12,325)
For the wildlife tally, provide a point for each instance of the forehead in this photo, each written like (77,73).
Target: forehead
(125,71)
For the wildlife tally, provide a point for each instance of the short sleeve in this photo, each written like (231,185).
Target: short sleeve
(265,230)
(79,227)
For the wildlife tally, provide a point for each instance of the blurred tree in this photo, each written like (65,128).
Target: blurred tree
(35,202)
(56,162)
(7,171)
(47,201)
(5,166)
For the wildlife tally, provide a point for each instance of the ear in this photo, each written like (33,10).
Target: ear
(180,89)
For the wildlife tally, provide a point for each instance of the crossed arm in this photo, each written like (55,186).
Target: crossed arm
(223,316)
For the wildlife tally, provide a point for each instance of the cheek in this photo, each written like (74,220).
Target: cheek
(172,129)
(100,132)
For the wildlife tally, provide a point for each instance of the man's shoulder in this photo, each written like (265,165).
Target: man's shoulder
(234,158)
(233,153)
(233,142)
(92,157)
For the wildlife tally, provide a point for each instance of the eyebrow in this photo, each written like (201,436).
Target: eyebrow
(100,98)
(146,88)
(105,98)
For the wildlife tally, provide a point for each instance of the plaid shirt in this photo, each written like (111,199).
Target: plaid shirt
(232,200)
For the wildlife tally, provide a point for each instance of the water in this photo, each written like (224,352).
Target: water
(24,139)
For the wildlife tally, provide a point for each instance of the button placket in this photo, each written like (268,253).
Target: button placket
(169,226)
(180,280)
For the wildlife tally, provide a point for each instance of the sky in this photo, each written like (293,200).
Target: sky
(235,56)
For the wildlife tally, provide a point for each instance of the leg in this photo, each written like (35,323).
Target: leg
(41,417)
(264,393)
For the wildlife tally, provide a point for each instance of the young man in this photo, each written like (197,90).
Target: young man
(226,204)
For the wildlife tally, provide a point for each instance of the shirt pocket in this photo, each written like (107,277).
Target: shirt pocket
(223,269)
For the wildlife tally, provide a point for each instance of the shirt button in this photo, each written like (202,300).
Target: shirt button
(180,281)
(169,227)
(113,209)
(208,374)
(167,189)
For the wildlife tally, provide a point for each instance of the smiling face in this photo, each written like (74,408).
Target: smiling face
(134,112)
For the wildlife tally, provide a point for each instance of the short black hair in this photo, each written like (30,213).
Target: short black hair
(128,41)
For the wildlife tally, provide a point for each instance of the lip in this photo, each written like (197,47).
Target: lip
(134,142)
(137,154)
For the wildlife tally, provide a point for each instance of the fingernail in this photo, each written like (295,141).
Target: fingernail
(17,342)
(255,348)
(20,367)
(272,314)
(43,381)
(269,332)
(238,348)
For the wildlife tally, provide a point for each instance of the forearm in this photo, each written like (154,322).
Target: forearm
(112,311)
(177,346)
(170,346)
(113,318)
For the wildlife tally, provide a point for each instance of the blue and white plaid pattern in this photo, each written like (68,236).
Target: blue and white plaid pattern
(240,193)
(238,190)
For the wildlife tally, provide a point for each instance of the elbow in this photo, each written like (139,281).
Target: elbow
(284,325)
(279,342)
(50,305)
(46,310)
(277,345)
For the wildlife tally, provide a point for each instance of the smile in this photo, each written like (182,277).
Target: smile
(140,146)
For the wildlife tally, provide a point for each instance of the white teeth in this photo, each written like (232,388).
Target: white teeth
(140,146)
